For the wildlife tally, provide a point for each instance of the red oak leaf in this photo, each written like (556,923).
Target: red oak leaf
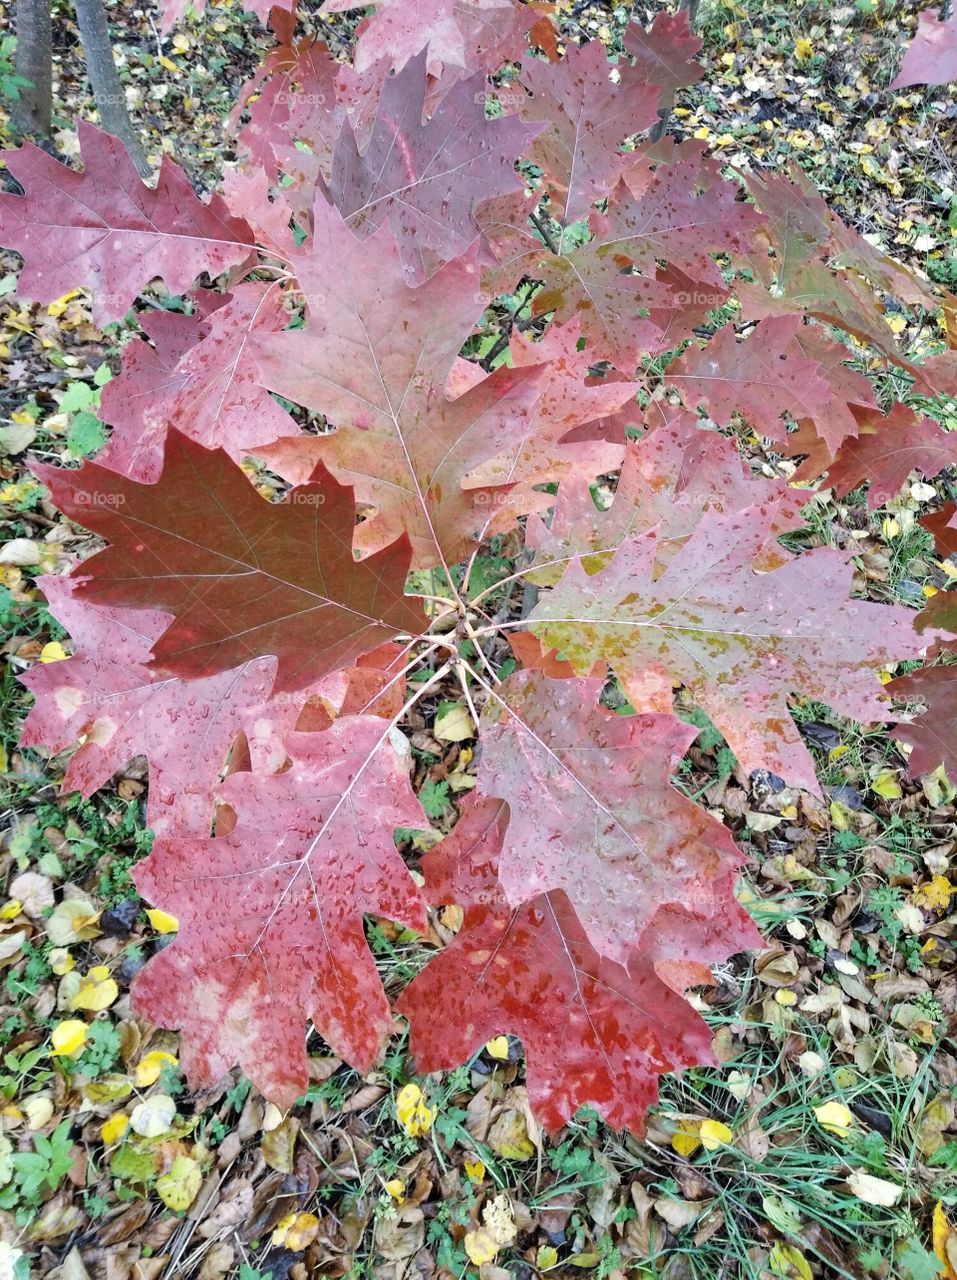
(931,58)
(608,279)
(148,371)
(822,267)
(375,686)
(942,525)
(592,810)
(425,179)
(242,577)
(588,116)
(932,735)
(211,393)
(568,399)
(886,451)
(668,480)
(665,54)
(742,642)
(104,228)
(595,1034)
(271,913)
(375,358)
(107,696)
(458,34)
(760,377)
(297,103)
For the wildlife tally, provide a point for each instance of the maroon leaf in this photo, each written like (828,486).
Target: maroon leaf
(931,58)
(375,358)
(669,479)
(108,697)
(931,736)
(886,451)
(665,55)
(589,116)
(104,228)
(592,810)
(942,525)
(595,1034)
(761,377)
(457,34)
(742,642)
(607,280)
(242,577)
(426,178)
(271,913)
(211,393)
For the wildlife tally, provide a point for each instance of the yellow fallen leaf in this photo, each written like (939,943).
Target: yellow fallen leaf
(97,991)
(296,1231)
(936,895)
(686,1140)
(180,1187)
(57,307)
(785,998)
(498,1048)
(886,785)
(714,1134)
(475,1170)
(413,1112)
(10,910)
(53,652)
(38,1109)
(944,1242)
(454,723)
(788,1260)
(150,1066)
(60,961)
(154,1116)
(873,1190)
(113,1129)
(73,920)
(68,1038)
(838,752)
(396,1189)
(481,1246)
(835,1118)
(803,48)
(162,921)
(167,63)
(546,1257)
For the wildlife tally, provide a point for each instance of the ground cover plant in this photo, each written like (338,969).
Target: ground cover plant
(559,521)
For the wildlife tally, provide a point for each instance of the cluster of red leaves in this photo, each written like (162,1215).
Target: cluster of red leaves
(278,642)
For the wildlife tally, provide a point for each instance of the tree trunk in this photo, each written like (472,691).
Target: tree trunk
(31,112)
(107,91)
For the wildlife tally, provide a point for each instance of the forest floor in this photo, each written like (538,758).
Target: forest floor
(838,1062)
